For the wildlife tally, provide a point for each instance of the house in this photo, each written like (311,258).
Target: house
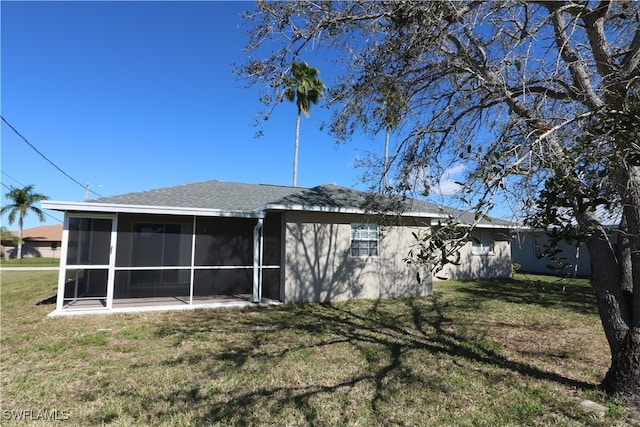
(218,243)
(44,241)
(529,246)
(572,258)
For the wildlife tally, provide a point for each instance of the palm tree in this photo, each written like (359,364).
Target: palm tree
(393,106)
(305,88)
(23,200)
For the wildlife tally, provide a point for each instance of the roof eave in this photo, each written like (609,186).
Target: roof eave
(479,225)
(342,210)
(96,207)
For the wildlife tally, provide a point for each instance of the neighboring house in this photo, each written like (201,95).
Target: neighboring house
(571,260)
(215,243)
(44,241)
(529,245)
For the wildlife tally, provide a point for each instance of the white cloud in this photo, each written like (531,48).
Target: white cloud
(446,185)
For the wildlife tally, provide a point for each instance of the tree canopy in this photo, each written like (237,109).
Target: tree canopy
(303,86)
(539,99)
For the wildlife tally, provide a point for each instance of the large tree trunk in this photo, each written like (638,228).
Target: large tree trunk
(631,217)
(605,280)
(615,275)
(623,377)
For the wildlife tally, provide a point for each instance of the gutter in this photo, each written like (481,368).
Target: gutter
(480,225)
(332,209)
(146,209)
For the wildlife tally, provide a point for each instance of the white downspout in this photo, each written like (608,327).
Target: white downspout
(111,276)
(193,259)
(257,261)
(62,272)
(261,259)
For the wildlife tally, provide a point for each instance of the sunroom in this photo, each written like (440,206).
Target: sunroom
(136,261)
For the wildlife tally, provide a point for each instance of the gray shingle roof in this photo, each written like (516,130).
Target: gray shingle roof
(234,196)
(326,196)
(206,195)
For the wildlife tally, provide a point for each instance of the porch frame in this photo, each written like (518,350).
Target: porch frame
(257,266)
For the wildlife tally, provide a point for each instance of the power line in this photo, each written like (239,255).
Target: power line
(12,178)
(45,157)
(52,217)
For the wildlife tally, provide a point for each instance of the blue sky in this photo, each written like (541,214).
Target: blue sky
(130,96)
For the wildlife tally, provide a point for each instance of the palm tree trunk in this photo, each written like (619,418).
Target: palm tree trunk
(20,225)
(386,159)
(295,151)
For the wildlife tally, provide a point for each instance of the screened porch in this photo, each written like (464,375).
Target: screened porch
(142,261)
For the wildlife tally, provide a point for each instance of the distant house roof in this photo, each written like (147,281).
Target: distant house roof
(609,217)
(44,233)
(231,198)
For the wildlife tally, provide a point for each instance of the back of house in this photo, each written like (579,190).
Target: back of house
(217,243)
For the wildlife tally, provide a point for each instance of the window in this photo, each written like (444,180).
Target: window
(364,240)
(482,244)
(537,246)
(153,258)
(158,244)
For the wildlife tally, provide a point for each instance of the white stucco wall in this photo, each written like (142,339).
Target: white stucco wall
(496,264)
(318,266)
(34,250)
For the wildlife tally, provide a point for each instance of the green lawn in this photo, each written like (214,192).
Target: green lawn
(30,262)
(487,353)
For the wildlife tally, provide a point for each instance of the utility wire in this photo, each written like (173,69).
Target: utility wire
(52,217)
(46,158)
(12,178)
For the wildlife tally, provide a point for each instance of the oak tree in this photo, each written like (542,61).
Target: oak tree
(539,99)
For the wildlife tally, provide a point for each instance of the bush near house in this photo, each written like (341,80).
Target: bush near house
(513,352)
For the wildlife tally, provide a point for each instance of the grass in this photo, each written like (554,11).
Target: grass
(482,353)
(30,262)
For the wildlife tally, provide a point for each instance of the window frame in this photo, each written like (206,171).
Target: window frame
(538,247)
(183,261)
(478,244)
(365,233)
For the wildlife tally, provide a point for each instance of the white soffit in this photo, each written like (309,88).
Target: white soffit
(435,223)
(343,210)
(144,209)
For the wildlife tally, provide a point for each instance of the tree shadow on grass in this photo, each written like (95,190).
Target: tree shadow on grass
(382,334)
(393,330)
(576,296)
